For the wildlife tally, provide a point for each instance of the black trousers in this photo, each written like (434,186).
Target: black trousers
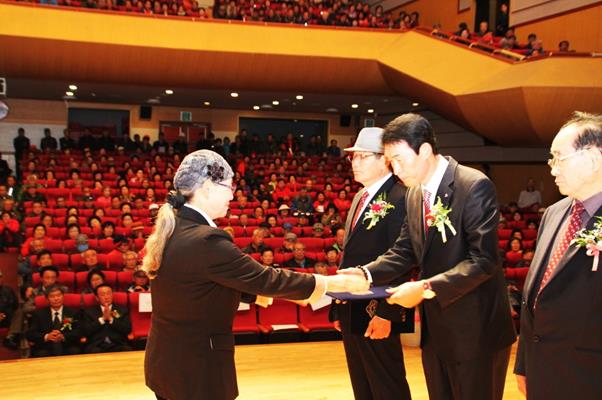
(376,367)
(479,379)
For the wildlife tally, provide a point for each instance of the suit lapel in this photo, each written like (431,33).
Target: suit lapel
(351,213)
(552,226)
(385,187)
(414,218)
(445,192)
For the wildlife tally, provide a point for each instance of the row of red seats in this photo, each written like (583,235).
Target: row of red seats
(281,313)
(140,320)
(527,244)
(83,213)
(311,244)
(76,282)
(68,262)
(528,234)
(56,233)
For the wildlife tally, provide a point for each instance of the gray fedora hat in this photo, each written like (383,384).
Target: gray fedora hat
(370,140)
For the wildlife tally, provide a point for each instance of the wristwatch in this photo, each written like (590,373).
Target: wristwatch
(427,290)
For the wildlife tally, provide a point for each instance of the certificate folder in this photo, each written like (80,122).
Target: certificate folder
(375,292)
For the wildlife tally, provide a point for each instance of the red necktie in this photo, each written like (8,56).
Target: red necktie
(574,224)
(426,200)
(360,207)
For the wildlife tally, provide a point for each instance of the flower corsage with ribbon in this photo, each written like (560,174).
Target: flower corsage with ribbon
(115,314)
(378,209)
(438,217)
(592,241)
(66,325)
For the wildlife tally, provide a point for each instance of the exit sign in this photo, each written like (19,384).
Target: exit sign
(185,116)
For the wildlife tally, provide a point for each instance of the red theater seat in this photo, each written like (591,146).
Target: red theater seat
(246,320)
(280,314)
(141,321)
(311,320)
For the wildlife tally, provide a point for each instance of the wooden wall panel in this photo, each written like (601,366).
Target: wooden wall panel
(582,28)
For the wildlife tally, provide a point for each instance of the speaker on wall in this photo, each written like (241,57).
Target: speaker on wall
(146,112)
(345,120)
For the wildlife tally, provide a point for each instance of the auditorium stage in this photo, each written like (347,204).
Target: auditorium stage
(290,371)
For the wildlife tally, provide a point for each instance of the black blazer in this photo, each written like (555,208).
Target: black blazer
(470,314)
(190,349)
(363,246)
(41,324)
(96,332)
(560,344)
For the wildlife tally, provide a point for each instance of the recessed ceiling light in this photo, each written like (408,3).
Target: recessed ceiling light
(370,110)
(72,87)
(234,94)
(354,106)
(275,102)
(256,108)
(69,93)
(299,97)
(206,103)
(415,104)
(168,91)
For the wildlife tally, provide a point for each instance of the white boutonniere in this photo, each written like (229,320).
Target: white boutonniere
(115,314)
(438,218)
(591,240)
(377,209)
(66,324)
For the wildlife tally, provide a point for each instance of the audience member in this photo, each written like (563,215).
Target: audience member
(8,303)
(140,282)
(514,255)
(48,142)
(529,196)
(256,245)
(107,325)
(54,330)
(90,261)
(94,279)
(299,259)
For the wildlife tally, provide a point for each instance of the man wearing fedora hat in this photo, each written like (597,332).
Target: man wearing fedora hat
(371,328)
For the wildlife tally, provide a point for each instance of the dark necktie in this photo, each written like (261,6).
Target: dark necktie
(360,207)
(56,321)
(573,225)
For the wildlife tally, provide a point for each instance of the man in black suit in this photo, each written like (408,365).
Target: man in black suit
(450,231)
(55,329)
(371,328)
(107,325)
(560,346)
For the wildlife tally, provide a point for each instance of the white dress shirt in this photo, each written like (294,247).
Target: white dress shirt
(435,181)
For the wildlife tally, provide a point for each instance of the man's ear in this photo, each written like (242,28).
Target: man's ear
(425,150)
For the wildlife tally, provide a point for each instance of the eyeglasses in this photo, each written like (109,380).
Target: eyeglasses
(360,156)
(555,161)
(232,186)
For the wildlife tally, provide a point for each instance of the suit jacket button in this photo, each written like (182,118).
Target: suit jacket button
(536,338)
(524,303)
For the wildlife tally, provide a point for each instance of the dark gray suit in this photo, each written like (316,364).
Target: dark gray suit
(560,346)
(376,367)
(467,328)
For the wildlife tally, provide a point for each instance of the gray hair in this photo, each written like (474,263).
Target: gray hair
(199,166)
(193,172)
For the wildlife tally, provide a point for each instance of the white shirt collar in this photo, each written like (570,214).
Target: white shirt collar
(209,220)
(60,311)
(433,184)
(375,187)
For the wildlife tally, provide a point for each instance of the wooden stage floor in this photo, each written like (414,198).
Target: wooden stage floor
(290,371)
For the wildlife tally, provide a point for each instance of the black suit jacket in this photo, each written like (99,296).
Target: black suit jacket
(190,349)
(41,324)
(363,246)
(117,331)
(560,344)
(470,314)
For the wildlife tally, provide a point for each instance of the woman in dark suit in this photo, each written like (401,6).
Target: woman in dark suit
(198,277)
